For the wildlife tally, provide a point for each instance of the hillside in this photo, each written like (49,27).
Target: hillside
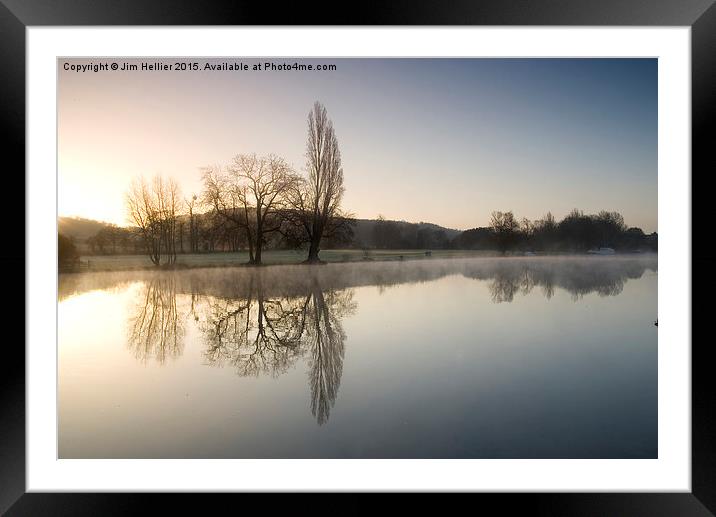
(79,228)
(364,230)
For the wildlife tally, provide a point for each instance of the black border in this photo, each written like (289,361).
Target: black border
(700,15)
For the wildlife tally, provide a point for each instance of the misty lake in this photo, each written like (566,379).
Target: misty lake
(460,358)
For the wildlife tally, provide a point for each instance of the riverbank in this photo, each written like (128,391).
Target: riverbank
(272,257)
(97,263)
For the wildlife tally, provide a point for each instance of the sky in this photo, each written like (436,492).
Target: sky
(445,141)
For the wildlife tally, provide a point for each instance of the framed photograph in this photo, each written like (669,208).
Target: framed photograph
(437,250)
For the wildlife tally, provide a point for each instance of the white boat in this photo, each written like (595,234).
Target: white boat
(602,251)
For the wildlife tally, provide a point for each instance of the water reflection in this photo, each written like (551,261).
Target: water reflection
(325,340)
(577,275)
(579,278)
(261,334)
(253,334)
(263,321)
(155,329)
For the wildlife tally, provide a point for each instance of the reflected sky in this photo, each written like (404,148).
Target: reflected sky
(479,358)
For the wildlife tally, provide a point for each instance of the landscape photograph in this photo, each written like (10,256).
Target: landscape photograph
(357,258)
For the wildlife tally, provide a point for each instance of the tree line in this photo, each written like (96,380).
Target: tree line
(576,232)
(211,231)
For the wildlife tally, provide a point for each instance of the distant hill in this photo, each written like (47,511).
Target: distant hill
(79,228)
(364,231)
(367,234)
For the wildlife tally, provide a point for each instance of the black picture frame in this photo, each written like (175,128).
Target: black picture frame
(700,15)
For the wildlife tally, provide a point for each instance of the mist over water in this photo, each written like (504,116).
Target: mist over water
(481,358)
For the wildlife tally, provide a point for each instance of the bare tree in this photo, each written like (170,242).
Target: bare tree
(141,211)
(505,228)
(251,193)
(264,184)
(228,201)
(193,227)
(167,195)
(316,201)
(154,210)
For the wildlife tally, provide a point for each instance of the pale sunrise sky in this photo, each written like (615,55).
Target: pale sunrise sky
(440,140)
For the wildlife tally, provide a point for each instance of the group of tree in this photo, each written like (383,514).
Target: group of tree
(252,202)
(386,234)
(154,208)
(576,232)
(66,250)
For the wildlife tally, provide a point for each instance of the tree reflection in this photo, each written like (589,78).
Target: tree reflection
(506,284)
(509,278)
(154,327)
(262,335)
(325,340)
(257,335)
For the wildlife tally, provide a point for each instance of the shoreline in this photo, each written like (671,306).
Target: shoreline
(105,261)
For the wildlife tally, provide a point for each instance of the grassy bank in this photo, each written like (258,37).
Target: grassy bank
(191,260)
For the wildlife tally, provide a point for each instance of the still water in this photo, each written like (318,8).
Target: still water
(457,358)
